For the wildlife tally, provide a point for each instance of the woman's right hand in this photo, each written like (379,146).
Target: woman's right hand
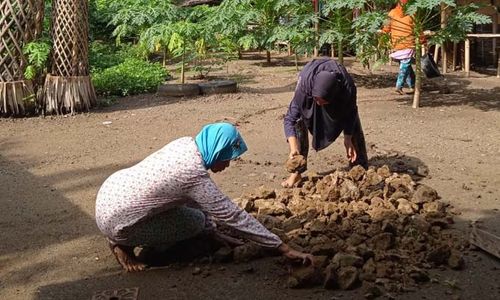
(293,153)
(290,253)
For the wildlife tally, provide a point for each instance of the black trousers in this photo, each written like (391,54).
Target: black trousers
(358,140)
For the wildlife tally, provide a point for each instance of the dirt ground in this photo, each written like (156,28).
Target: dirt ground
(51,169)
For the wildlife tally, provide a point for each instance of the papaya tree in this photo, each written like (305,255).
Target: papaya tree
(182,42)
(296,27)
(460,21)
(355,23)
(231,21)
(189,37)
(370,47)
(255,21)
(133,17)
(336,26)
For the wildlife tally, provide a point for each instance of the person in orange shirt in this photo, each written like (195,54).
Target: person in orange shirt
(400,27)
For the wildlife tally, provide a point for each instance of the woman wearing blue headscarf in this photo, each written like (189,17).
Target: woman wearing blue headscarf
(169,197)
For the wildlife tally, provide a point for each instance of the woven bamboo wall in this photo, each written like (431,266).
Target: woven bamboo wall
(70,32)
(68,89)
(20,22)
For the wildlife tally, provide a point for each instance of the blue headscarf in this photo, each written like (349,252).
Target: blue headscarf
(218,142)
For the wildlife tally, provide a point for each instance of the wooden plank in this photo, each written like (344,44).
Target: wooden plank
(484,35)
(498,68)
(454,57)
(486,241)
(494,27)
(436,52)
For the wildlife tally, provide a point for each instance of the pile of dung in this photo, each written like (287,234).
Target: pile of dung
(369,228)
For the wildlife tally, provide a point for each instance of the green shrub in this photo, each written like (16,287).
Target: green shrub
(132,76)
(103,55)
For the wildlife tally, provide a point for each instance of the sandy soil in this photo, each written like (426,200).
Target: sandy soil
(51,169)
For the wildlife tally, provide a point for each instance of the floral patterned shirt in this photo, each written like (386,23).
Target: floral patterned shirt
(172,176)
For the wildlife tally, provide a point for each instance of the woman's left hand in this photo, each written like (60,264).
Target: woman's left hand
(349,148)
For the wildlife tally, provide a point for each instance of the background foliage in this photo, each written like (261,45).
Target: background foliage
(132,76)
(133,41)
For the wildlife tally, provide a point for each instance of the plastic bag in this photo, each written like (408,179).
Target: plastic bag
(429,66)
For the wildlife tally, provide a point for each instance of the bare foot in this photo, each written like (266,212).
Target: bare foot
(126,259)
(292,180)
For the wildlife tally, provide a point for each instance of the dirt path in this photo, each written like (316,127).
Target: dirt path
(51,169)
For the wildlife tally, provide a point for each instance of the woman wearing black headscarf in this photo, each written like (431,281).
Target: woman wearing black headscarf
(325,105)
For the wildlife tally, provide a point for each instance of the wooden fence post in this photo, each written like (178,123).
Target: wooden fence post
(467,57)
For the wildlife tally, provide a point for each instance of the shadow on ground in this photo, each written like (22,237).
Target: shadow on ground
(261,279)
(485,100)
(270,90)
(39,213)
(154,99)
(280,62)
(452,90)
(374,81)
(403,164)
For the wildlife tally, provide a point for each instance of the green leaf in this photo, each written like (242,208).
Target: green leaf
(37,53)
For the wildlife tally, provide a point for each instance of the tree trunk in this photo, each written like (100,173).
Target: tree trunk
(341,52)
(332,49)
(268,56)
(164,57)
(296,61)
(182,68)
(418,73)
(444,54)
(316,29)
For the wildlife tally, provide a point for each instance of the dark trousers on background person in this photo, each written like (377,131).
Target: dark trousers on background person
(358,140)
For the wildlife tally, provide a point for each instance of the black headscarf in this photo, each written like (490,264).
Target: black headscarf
(329,80)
